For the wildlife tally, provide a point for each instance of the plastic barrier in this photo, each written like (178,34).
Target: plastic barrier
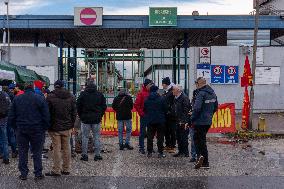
(223,121)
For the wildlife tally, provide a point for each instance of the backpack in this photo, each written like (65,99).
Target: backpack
(4,105)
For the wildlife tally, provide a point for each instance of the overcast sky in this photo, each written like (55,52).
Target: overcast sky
(128,7)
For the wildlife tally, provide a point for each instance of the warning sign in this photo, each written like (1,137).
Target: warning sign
(232,74)
(217,74)
(204,55)
(88,16)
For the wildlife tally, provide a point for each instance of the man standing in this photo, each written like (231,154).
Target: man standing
(170,126)
(62,108)
(91,107)
(139,106)
(155,111)
(205,106)
(29,116)
(182,107)
(123,105)
(4,104)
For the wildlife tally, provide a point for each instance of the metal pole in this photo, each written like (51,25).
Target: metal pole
(185,46)
(254,64)
(61,56)
(178,55)
(174,66)
(8,26)
(75,71)
(68,67)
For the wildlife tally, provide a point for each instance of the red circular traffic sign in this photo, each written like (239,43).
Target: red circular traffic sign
(218,70)
(231,70)
(88,16)
(205,51)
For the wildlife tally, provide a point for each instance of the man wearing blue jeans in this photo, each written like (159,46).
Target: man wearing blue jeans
(123,105)
(91,107)
(139,106)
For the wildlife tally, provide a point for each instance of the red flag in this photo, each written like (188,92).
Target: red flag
(246,80)
(246,109)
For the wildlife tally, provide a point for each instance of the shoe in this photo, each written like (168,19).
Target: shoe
(128,147)
(45,151)
(84,158)
(15,155)
(1,157)
(149,155)
(39,177)
(142,151)
(178,155)
(192,160)
(199,162)
(167,148)
(6,161)
(205,166)
(65,173)
(44,156)
(21,177)
(98,158)
(186,155)
(52,174)
(121,147)
(161,155)
(73,154)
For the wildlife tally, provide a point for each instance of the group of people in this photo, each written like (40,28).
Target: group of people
(29,113)
(172,117)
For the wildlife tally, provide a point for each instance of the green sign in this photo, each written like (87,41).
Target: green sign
(163,16)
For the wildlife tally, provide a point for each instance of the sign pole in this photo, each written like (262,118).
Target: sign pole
(254,64)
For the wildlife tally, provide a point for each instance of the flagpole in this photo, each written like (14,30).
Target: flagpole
(254,63)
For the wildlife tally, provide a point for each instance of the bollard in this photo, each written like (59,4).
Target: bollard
(261,124)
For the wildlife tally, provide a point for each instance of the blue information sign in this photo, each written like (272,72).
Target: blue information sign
(217,74)
(232,74)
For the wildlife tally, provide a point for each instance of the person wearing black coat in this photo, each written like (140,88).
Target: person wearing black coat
(155,110)
(29,116)
(91,107)
(123,105)
(182,107)
(170,125)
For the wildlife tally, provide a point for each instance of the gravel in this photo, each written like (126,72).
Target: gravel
(225,160)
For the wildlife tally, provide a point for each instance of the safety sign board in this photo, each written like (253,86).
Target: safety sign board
(88,16)
(217,74)
(231,74)
(203,70)
(204,55)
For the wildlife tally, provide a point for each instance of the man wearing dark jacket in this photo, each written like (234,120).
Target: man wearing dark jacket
(170,125)
(62,108)
(29,115)
(155,110)
(123,105)
(205,106)
(91,107)
(182,107)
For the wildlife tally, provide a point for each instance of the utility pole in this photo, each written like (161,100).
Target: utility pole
(8,31)
(254,63)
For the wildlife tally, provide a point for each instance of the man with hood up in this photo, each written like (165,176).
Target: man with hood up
(206,104)
(91,107)
(62,108)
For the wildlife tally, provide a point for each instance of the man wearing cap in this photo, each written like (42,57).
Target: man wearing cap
(205,105)
(62,108)
(29,116)
(139,106)
(170,125)
(155,115)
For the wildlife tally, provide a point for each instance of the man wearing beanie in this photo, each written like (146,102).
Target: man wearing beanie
(62,108)
(170,126)
(139,106)
(155,111)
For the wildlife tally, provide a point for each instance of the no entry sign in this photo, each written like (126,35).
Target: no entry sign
(88,16)
(204,55)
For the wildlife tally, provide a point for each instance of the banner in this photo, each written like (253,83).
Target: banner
(223,121)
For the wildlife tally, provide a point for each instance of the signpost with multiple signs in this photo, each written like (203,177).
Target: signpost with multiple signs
(221,74)
(88,16)
(163,16)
